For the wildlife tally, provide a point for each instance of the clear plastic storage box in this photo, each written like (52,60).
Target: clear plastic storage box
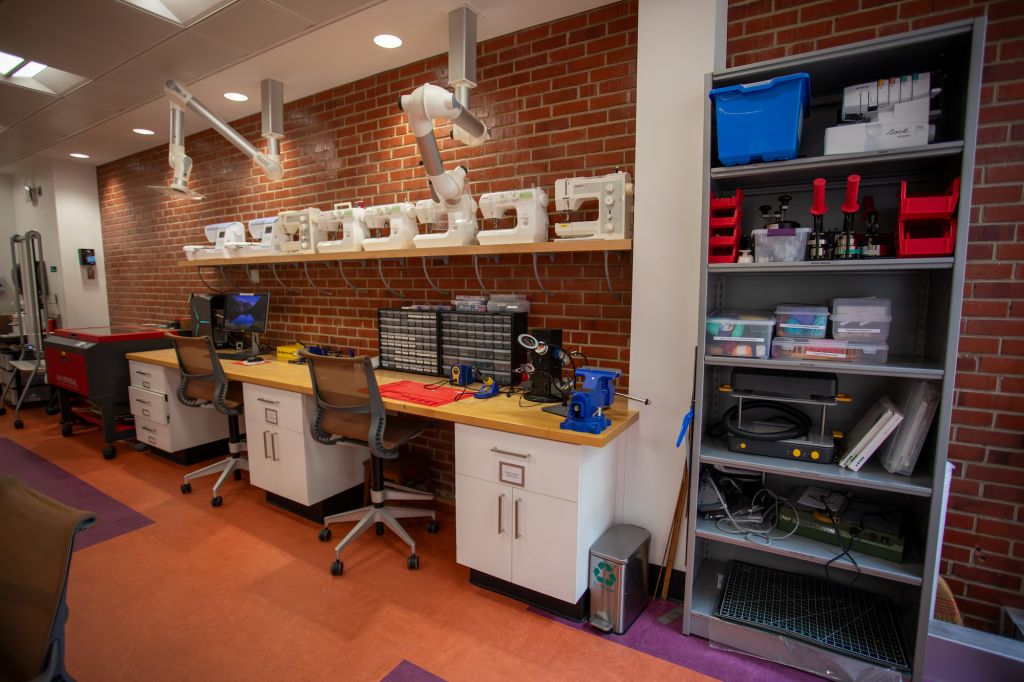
(861,319)
(781,245)
(739,333)
(830,350)
(801,321)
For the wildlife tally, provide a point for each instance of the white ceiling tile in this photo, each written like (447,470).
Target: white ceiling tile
(17,103)
(64,118)
(193,54)
(18,142)
(54,49)
(99,22)
(319,11)
(145,78)
(251,25)
(111,98)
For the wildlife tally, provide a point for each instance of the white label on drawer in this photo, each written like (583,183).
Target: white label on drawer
(802,326)
(145,412)
(514,474)
(270,415)
(857,330)
(145,384)
(823,354)
(748,339)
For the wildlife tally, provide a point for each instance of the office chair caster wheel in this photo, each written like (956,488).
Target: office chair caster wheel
(379,527)
(109,452)
(18,424)
(433,526)
(217,501)
(325,535)
(3,411)
(238,474)
(414,562)
(186,488)
(337,568)
(51,411)
(65,430)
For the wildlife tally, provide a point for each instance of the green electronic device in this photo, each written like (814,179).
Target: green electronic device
(874,533)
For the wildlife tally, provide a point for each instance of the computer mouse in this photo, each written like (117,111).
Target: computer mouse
(253,361)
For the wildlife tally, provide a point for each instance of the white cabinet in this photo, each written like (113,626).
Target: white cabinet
(528,509)
(161,420)
(284,459)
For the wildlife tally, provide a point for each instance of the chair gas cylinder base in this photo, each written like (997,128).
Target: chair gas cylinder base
(204,385)
(349,409)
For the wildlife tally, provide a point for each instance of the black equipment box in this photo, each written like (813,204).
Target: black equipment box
(783,384)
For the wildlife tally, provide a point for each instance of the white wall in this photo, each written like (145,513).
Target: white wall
(7,228)
(78,226)
(678,42)
(43,219)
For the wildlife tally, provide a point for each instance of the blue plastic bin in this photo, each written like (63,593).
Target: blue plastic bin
(761,121)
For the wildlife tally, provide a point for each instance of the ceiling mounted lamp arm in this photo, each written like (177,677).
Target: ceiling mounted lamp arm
(272,95)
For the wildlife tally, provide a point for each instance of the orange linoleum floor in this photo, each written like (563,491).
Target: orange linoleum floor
(243,592)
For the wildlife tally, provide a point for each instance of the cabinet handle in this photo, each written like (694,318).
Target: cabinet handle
(147,428)
(140,400)
(499,451)
(269,402)
(266,448)
(515,508)
(273,442)
(501,498)
(145,374)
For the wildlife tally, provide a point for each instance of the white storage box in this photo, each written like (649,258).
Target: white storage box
(801,321)
(739,333)
(830,350)
(861,319)
(868,137)
(780,244)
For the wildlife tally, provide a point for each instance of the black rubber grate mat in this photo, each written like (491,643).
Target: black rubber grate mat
(839,618)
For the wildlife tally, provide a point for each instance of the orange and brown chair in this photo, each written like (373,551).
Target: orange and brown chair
(204,384)
(36,539)
(349,409)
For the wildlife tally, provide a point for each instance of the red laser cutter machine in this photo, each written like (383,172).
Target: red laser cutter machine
(90,362)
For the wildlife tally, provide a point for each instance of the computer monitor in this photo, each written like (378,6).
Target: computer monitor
(246,312)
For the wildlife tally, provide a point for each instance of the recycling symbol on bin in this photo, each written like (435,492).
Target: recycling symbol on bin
(603,575)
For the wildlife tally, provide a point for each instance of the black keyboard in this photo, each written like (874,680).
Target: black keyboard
(236,354)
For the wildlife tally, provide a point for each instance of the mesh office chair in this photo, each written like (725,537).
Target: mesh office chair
(203,384)
(36,539)
(349,409)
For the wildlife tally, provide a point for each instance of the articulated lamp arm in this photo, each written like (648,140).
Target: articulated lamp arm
(422,106)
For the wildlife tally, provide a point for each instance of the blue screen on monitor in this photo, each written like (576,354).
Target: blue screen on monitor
(246,312)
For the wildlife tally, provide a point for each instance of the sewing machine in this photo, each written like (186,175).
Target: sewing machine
(349,221)
(299,231)
(587,403)
(462,225)
(220,235)
(614,195)
(263,240)
(401,218)
(530,206)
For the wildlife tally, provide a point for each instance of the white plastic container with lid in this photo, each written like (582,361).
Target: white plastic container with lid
(739,333)
(861,319)
(801,321)
(830,350)
(781,245)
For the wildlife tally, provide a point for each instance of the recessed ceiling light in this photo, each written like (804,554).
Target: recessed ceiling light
(30,70)
(9,62)
(142,131)
(236,97)
(387,40)
(79,155)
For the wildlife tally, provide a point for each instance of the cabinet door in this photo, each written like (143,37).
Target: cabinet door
(288,453)
(544,544)
(262,468)
(483,511)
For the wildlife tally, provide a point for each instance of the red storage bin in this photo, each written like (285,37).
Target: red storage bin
(725,228)
(927,225)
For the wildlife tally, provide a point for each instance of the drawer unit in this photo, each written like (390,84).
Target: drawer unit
(274,407)
(487,341)
(157,434)
(152,378)
(149,405)
(548,467)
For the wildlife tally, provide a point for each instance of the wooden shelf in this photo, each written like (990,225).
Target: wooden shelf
(561,246)
(834,266)
(896,367)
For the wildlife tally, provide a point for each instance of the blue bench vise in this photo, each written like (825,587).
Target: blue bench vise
(589,400)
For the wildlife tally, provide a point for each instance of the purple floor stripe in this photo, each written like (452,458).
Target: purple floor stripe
(664,641)
(410,672)
(112,517)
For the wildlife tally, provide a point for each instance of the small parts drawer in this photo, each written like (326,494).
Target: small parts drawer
(153,433)
(274,407)
(150,377)
(149,405)
(543,466)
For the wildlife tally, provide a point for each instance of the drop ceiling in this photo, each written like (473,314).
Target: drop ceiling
(127,53)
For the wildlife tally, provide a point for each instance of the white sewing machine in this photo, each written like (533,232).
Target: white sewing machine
(462,225)
(530,206)
(262,232)
(348,224)
(220,236)
(401,218)
(614,195)
(301,230)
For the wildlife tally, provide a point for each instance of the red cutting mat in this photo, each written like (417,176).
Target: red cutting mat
(415,392)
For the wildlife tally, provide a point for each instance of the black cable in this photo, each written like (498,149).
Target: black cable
(844,551)
(793,422)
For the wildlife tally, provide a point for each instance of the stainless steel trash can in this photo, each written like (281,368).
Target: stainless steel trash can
(618,577)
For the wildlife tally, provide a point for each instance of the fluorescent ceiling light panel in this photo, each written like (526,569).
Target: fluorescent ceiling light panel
(9,62)
(143,131)
(236,97)
(387,40)
(30,70)
(181,12)
(79,155)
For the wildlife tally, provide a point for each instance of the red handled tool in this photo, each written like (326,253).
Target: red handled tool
(818,210)
(850,208)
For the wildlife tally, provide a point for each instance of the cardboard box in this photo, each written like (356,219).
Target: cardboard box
(869,137)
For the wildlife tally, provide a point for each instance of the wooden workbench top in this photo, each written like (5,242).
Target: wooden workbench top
(499,413)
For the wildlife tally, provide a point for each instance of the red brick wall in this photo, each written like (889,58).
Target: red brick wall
(560,99)
(983,555)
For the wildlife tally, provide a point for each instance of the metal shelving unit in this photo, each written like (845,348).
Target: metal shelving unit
(926,295)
